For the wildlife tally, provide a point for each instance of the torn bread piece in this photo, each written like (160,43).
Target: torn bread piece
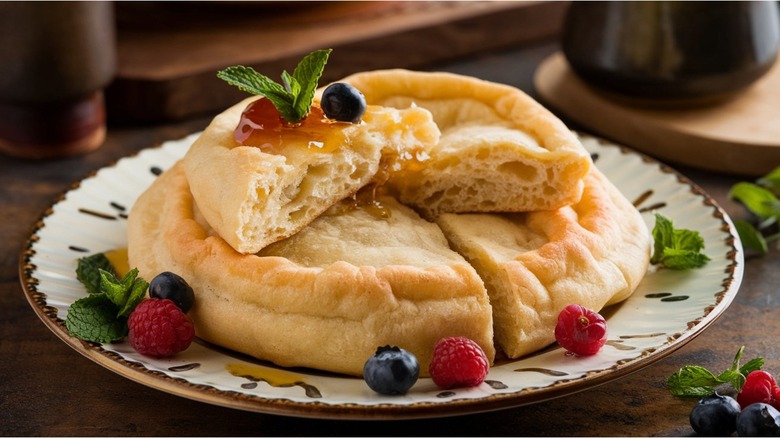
(326,297)
(254,195)
(594,253)
(500,150)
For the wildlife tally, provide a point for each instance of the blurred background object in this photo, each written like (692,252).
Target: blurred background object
(169,52)
(685,52)
(57,57)
(690,83)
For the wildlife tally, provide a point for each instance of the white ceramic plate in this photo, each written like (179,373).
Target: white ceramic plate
(668,309)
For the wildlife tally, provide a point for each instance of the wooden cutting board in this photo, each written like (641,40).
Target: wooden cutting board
(169,52)
(739,136)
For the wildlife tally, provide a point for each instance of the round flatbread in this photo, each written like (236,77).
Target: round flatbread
(324,298)
(344,279)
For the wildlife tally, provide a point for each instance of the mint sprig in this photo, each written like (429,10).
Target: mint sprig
(102,315)
(125,293)
(760,199)
(294,96)
(676,248)
(771,181)
(88,271)
(94,318)
(697,381)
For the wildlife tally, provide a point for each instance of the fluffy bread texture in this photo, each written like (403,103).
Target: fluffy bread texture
(325,298)
(286,272)
(500,150)
(253,198)
(594,253)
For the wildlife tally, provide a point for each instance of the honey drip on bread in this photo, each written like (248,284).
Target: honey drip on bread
(262,126)
(118,259)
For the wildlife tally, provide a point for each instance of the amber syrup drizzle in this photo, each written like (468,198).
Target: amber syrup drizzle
(262,126)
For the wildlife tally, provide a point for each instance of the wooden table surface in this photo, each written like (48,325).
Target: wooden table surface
(47,388)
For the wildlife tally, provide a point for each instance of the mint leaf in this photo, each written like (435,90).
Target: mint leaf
(291,84)
(771,181)
(750,236)
(102,315)
(752,365)
(112,288)
(124,293)
(293,98)
(136,294)
(757,199)
(737,358)
(663,235)
(697,381)
(93,318)
(308,73)
(682,259)
(761,199)
(88,271)
(249,80)
(676,248)
(734,377)
(692,381)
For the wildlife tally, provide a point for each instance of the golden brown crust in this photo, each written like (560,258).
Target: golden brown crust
(327,292)
(330,317)
(592,253)
(500,150)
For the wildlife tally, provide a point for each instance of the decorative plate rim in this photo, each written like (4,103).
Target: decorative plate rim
(139,373)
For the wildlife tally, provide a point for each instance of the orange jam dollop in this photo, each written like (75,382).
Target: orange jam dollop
(262,126)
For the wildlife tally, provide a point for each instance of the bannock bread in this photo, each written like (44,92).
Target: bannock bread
(324,298)
(253,197)
(593,253)
(500,150)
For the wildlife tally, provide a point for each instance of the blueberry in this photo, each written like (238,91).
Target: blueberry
(758,419)
(391,370)
(171,286)
(715,415)
(343,102)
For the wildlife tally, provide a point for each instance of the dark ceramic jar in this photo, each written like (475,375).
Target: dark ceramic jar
(55,60)
(669,50)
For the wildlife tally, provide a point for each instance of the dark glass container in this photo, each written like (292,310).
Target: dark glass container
(669,50)
(55,60)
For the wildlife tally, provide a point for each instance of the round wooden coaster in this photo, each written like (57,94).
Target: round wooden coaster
(739,135)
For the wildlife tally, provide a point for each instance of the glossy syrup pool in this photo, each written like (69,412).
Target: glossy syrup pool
(262,126)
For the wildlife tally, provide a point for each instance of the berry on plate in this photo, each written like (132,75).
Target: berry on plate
(391,370)
(159,328)
(458,362)
(581,330)
(173,287)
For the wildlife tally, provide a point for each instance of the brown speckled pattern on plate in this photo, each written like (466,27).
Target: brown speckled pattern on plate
(668,309)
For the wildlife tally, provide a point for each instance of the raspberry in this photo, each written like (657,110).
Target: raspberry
(581,330)
(759,387)
(458,362)
(158,328)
